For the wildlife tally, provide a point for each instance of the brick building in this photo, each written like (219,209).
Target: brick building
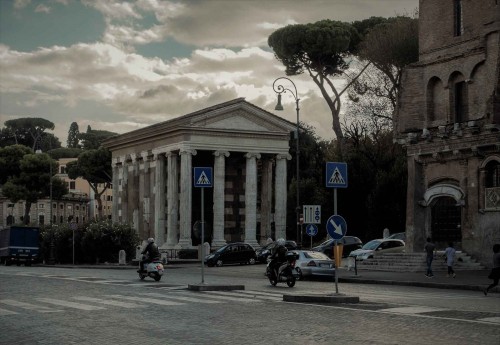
(448,118)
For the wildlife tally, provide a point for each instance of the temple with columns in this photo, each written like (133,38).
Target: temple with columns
(247,149)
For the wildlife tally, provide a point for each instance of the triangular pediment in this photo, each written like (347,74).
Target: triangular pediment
(241,117)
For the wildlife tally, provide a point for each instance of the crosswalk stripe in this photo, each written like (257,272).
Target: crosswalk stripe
(226,296)
(412,310)
(70,304)
(146,300)
(109,302)
(182,298)
(24,305)
(4,312)
(248,294)
(491,319)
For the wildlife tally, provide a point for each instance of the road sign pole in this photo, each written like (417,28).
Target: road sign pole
(202,235)
(335,263)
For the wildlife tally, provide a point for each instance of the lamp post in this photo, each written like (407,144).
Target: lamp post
(280,89)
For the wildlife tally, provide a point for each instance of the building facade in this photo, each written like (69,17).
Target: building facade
(247,149)
(448,117)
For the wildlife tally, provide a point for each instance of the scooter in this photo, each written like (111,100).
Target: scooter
(287,273)
(153,269)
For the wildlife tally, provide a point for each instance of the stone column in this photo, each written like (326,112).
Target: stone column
(145,183)
(251,198)
(219,198)
(159,190)
(116,185)
(134,194)
(266,200)
(124,193)
(173,201)
(280,190)
(186,197)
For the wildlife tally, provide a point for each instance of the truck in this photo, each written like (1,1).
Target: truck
(19,244)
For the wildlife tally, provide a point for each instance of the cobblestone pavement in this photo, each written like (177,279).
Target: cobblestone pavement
(96,307)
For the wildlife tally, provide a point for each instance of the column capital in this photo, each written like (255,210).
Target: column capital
(252,155)
(145,155)
(219,153)
(286,156)
(187,152)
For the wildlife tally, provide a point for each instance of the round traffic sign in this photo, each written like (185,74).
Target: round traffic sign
(311,230)
(336,227)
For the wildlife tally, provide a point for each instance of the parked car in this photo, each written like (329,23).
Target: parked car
(398,236)
(232,253)
(263,252)
(349,243)
(383,245)
(314,264)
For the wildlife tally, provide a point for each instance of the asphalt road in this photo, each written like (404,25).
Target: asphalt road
(43,305)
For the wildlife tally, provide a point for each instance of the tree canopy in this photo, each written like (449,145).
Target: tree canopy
(28,130)
(73,136)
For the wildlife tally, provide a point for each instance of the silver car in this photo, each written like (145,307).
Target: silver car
(383,245)
(314,264)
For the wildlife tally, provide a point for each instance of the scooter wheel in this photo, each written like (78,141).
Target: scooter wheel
(142,276)
(291,281)
(157,277)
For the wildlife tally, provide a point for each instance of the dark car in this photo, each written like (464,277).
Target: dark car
(263,252)
(232,253)
(349,243)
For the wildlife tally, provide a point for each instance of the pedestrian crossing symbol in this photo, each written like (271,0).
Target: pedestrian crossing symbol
(203,177)
(336,175)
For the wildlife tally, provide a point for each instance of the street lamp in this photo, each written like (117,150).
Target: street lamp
(280,89)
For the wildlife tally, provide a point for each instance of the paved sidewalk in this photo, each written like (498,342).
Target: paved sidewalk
(464,280)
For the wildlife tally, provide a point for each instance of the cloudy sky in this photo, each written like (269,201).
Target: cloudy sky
(121,65)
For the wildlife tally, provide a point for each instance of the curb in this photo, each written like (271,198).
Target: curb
(317,298)
(213,287)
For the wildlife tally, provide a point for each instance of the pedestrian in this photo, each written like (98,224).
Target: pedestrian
(495,271)
(449,253)
(430,249)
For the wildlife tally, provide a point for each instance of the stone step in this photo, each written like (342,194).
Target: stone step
(415,262)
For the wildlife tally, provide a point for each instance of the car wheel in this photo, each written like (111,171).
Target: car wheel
(251,261)
(219,263)
(299,271)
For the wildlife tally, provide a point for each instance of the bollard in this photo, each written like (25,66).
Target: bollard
(122,257)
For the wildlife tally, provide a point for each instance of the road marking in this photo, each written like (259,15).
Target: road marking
(4,312)
(412,310)
(146,300)
(491,319)
(228,296)
(40,309)
(109,302)
(182,298)
(70,304)
(260,294)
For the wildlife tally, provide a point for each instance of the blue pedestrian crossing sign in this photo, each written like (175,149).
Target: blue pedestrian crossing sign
(336,227)
(311,230)
(336,175)
(203,177)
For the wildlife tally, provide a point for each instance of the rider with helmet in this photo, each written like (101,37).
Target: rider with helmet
(151,253)
(278,257)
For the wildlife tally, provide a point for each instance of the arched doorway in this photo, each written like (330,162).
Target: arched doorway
(446,218)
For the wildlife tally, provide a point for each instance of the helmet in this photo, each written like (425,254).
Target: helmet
(151,240)
(280,242)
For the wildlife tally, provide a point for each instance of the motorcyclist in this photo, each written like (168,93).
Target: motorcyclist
(151,253)
(278,257)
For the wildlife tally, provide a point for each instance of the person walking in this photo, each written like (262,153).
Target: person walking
(430,249)
(449,252)
(495,271)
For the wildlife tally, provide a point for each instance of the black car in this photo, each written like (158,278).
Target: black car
(349,243)
(264,252)
(232,253)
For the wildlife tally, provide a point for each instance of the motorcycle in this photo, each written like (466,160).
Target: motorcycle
(288,273)
(153,269)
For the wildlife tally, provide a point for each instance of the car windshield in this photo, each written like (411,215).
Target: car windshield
(316,255)
(372,245)
(221,249)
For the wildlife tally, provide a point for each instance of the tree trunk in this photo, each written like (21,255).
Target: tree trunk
(27,208)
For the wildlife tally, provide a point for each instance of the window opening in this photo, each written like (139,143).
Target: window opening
(459,25)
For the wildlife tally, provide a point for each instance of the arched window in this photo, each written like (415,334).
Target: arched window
(459,105)
(492,174)
(435,101)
